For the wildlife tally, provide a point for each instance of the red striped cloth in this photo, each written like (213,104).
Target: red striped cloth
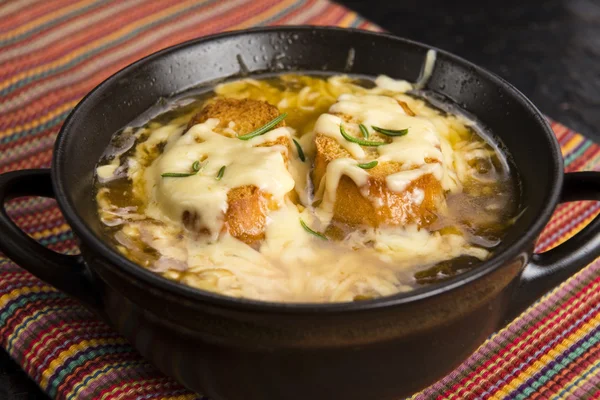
(53,52)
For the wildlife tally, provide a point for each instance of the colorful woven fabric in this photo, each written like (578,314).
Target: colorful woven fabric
(52,52)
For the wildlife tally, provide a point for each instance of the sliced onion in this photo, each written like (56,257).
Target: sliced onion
(121,171)
(124,213)
(125,240)
(484,241)
(112,222)
(164,264)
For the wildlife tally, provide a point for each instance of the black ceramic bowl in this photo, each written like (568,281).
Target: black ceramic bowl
(241,349)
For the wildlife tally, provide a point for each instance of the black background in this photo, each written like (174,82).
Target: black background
(549,49)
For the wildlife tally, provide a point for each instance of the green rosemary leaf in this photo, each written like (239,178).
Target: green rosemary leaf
(364,131)
(195,168)
(176,174)
(390,132)
(368,165)
(300,151)
(307,229)
(358,141)
(220,174)
(263,129)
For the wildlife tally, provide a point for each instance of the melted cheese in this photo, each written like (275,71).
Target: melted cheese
(300,170)
(410,244)
(428,66)
(413,149)
(392,85)
(329,125)
(291,264)
(419,152)
(327,190)
(107,171)
(202,194)
(400,180)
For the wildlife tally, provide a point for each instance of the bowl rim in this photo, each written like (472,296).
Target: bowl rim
(520,248)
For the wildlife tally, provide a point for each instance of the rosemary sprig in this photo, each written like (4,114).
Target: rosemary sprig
(307,229)
(177,174)
(368,165)
(358,141)
(220,173)
(300,151)
(364,131)
(196,167)
(263,129)
(390,132)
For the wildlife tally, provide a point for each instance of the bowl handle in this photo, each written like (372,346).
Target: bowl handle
(68,273)
(547,270)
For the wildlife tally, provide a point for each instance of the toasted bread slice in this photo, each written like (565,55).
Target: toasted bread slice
(246,214)
(247,115)
(248,206)
(376,205)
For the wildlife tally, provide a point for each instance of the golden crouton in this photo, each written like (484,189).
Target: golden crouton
(248,206)
(247,213)
(357,206)
(247,115)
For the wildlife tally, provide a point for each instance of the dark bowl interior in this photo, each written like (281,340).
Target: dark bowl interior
(134,90)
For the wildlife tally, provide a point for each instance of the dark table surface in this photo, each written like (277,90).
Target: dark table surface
(549,49)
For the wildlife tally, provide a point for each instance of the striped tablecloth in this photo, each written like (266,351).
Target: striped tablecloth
(52,52)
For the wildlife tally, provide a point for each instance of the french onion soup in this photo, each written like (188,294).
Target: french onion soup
(303,188)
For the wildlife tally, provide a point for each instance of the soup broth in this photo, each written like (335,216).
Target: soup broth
(302,188)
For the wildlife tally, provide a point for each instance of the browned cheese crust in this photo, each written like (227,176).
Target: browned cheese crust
(353,208)
(248,206)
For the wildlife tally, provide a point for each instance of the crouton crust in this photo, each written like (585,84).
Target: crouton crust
(247,115)
(246,215)
(375,205)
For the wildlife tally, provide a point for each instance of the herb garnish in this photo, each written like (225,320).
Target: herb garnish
(263,129)
(364,131)
(195,168)
(307,229)
(177,174)
(368,165)
(390,132)
(300,151)
(220,174)
(358,141)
